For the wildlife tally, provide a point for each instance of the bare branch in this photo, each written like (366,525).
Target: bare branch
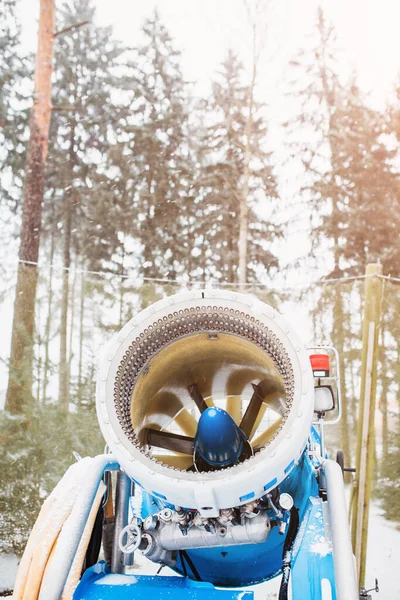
(71,28)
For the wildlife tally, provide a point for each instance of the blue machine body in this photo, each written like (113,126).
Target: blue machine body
(236,566)
(98,583)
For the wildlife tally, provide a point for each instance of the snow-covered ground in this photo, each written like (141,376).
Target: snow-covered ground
(383,562)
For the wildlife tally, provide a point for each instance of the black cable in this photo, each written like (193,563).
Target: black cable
(189,561)
(93,549)
(184,569)
(292,530)
(286,553)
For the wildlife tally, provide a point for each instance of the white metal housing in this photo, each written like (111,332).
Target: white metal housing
(209,492)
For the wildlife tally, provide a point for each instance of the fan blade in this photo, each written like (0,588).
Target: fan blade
(197,397)
(186,422)
(264,438)
(259,417)
(180,461)
(162,408)
(234,408)
(167,406)
(268,391)
(235,385)
(169,441)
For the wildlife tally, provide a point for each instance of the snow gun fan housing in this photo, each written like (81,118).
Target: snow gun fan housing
(206,400)
(210,404)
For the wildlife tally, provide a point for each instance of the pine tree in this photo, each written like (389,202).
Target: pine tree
(154,164)
(349,182)
(13,114)
(313,136)
(223,149)
(19,391)
(87,115)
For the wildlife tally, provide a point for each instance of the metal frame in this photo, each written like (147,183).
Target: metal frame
(119,559)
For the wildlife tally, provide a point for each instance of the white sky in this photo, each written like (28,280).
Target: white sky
(368,32)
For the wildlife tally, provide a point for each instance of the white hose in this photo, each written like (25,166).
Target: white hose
(49,523)
(343,559)
(70,537)
(76,568)
(58,541)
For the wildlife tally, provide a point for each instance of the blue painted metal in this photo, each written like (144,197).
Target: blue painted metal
(99,584)
(219,441)
(259,562)
(312,563)
(235,566)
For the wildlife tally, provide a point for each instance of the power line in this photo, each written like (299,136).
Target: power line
(138,278)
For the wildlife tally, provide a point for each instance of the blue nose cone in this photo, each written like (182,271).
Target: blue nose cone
(218,440)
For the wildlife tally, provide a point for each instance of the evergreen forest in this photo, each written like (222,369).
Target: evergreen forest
(144,187)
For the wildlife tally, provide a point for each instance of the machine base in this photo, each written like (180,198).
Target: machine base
(99,584)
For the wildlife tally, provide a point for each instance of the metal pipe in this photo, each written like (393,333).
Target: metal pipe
(69,538)
(322,437)
(343,559)
(122,494)
(170,537)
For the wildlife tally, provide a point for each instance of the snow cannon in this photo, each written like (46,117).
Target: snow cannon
(213,412)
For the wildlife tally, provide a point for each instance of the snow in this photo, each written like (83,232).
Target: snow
(8,571)
(321,546)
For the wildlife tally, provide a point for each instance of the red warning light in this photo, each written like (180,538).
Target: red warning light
(320,365)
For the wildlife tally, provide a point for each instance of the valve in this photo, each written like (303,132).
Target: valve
(365,595)
(130,538)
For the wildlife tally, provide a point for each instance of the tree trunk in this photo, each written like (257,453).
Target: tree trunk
(72,325)
(63,389)
(38,343)
(121,288)
(63,368)
(383,404)
(81,332)
(244,192)
(19,391)
(46,365)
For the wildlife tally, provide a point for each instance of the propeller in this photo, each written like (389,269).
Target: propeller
(207,402)
(216,441)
